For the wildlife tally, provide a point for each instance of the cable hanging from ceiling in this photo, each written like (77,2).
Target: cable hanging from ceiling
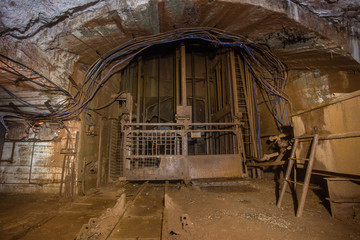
(267,70)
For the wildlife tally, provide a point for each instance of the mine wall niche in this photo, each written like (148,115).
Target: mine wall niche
(30,163)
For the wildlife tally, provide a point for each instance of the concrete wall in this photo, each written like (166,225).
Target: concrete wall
(36,165)
(94,156)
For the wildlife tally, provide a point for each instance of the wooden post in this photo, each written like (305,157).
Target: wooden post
(300,209)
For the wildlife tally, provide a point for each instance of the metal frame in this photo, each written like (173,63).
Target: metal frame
(144,147)
(172,148)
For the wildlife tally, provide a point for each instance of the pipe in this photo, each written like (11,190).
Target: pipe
(110,145)
(31,162)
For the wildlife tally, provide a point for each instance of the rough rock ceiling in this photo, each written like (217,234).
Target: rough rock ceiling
(18,21)
(60,39)
(344,14)
(51,36)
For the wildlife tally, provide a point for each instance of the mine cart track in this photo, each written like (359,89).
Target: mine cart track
(143,216)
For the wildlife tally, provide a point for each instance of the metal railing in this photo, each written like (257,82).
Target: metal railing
(146,143)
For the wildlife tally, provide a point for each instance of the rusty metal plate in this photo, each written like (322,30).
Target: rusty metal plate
(344,197)
(215,166)
(190,167)
(170,168)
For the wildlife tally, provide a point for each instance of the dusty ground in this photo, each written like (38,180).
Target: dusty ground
(244,211)
(248,211)
(34,216)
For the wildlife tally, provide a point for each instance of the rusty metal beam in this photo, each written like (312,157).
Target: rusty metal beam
(138,95)
(181,124)
(234,83)
(183,74)
(99,161)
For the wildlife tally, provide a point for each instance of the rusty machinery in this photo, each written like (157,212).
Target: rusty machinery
(191,146)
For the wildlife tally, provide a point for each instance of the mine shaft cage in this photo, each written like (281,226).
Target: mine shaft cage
(179,124)
(160,151)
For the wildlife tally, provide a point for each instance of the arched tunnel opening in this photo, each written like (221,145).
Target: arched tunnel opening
(179,119)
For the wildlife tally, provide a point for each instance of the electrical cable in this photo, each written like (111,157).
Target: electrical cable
(268,71)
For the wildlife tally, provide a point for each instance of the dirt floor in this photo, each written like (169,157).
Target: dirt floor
(248,211)
(244,209)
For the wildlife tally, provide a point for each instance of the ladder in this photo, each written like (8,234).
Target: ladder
(246,105)
(116,151)
(246,108)
(292,160)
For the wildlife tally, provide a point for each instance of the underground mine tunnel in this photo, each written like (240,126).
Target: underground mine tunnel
(196,119)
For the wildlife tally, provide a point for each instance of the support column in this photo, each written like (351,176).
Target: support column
(99,161)
(234,84)
(183,74)
(138,91)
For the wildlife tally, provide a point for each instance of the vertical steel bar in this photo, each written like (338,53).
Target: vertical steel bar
(158,88)
(166,147)
(109,151)
(183,74)
(171,143)
(234,83)
(138,95)
(144,113)
(207,104)
(185,143)
(99,161)
(176,77)
(31,161)
(218,88)
(241,149)
(72,178)
(63,167)
(193,87)
(223,82)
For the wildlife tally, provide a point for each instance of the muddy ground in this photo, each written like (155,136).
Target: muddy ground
(244,210)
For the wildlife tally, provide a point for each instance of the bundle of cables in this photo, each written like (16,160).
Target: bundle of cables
(268,72)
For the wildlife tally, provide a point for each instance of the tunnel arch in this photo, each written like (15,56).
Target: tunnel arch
(67,39)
